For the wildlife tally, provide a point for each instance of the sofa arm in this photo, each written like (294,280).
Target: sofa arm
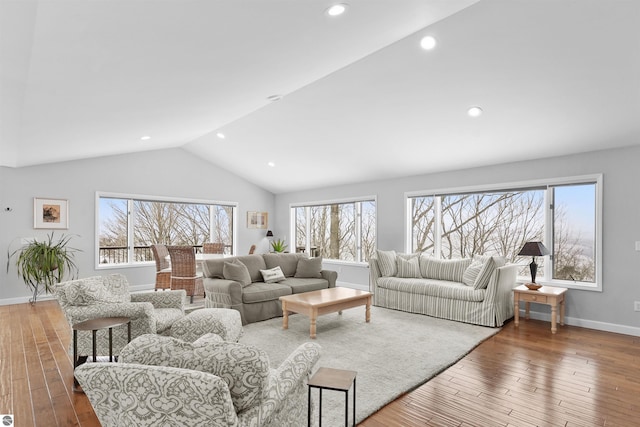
(501,284)
(136,311)
(289,377)
(164,299)
(331,276)
(222,293)
(118,399)
(374,274)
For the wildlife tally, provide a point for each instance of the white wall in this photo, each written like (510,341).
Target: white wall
(172,173)
(611,309)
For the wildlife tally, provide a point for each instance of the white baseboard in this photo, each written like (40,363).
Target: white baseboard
(589,324)
(352,285)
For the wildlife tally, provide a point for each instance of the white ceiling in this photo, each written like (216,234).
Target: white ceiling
(361,100)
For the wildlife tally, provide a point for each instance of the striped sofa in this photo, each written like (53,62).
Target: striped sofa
(474,290)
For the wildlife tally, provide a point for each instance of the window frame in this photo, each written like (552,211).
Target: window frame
(547,184)
(358,226)
(148,198)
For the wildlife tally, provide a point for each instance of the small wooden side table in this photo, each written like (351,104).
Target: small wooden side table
(333,379)
(545,295)
(94,325)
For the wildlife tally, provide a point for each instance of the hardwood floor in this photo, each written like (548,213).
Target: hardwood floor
(520,377)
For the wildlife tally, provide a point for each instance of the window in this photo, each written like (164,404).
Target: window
(342,231)
(563,214)
(128,226)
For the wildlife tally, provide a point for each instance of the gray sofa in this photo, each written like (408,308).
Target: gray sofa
(477,290)
(250,295)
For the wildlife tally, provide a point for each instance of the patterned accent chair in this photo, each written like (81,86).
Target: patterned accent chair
(163,266)
(165,381)
(108,296)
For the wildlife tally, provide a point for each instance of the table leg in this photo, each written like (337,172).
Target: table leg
(312,323)
(346,408)
(354,402)
(129,331)
(75,357)
(320,409)
(562,312)
(95,355)
(516,310)
(110,344)
(367,313)
(309,406)
(285,316)
(554,318)
(526,310)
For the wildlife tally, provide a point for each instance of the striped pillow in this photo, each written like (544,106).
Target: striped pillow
(408,268)
(471,273)
(489,264)
(443,269)
(387,263)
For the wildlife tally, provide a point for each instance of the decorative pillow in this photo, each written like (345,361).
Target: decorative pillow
(244,368)
(471,273)
(489,264)
(408,268)
(387,263)
(288,262)
(272,275)
(309,267)
(90,291)
(443,269)
(482,280)
(235,270)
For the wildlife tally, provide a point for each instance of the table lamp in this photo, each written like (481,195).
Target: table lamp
(533,249)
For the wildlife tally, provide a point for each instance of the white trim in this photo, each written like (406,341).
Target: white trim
(584,323)
(334,201)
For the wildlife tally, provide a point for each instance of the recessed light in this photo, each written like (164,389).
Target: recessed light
(428,42)
(337,9)
(271,164)
(274,98)
(146,137)
(220,135)
(474,111)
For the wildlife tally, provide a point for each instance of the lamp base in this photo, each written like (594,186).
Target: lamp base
(533,286)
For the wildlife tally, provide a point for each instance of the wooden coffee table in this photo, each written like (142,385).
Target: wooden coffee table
(316,303)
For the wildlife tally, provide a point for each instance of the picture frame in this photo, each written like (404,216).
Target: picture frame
(50,213)
(257,219)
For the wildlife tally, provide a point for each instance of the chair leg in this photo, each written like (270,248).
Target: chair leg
(191,298)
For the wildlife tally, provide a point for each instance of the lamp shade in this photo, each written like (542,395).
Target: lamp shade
(533,249)
(269,233)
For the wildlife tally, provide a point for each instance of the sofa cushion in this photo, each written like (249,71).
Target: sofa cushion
(387,263)
(254,264)
(489,265)
(272,275)
(309,268)
(443,269)
(433,287)
(288,262)
(408,268)
(260,291)
(235,270)
(244,368)
(299,285)
(471,273)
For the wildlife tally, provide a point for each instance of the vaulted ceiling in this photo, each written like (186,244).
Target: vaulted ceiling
(360,100)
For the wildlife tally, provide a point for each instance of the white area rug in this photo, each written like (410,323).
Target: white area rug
(394,353)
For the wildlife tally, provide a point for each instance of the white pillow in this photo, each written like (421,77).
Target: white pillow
(272,275)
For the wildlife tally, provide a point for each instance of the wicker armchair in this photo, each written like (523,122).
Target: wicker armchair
(213,248)
(183,270)
(163,268)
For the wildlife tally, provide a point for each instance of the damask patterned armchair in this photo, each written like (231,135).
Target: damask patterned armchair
(164,381)
(108,296)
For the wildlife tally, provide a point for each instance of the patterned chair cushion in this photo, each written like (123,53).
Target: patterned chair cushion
(94,290)
(221,321)
(244,368)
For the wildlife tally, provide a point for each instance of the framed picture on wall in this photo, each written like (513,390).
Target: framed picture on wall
(257,219)
(50,213)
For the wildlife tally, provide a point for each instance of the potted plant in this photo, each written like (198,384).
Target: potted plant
(44,263)
(278,245)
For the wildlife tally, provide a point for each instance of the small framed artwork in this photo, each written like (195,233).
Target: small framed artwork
(257,219)
(50,213)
